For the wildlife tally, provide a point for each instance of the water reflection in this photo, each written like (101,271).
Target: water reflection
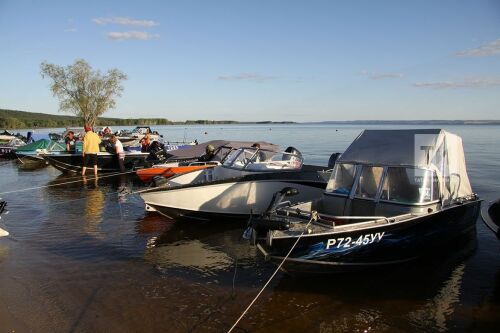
(191,254)
(4,252)
(377,300)
(205,247)
(94,204)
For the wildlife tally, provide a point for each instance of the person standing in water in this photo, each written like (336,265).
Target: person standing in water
(91,143)
(119,152)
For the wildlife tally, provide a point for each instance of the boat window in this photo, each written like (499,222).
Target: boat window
(410,185)
(369,182)
(239,158)
(342,179)
(263,160)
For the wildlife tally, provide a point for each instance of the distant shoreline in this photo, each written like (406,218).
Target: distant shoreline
(14,119)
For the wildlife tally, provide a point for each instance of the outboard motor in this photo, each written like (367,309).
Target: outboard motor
(157,153)
(278,198)
(262,223)
(291,150)
(333,159)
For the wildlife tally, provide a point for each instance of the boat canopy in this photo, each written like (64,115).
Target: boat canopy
(199,149)
(434,149)
(49,145)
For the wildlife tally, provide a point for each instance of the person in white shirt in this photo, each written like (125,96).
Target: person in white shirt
(119,151)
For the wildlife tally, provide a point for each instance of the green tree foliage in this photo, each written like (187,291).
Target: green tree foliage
(82,91)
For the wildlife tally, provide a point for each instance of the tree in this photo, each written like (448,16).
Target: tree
(83,91)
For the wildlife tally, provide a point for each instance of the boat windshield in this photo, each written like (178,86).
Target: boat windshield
(342,179)
(141,130)
(263,160)
(410,185)
(407,185)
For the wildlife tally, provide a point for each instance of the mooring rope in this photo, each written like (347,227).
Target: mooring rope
(314,217)
(83,179)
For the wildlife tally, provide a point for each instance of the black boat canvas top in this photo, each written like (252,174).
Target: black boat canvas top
(434,149)
(199,149)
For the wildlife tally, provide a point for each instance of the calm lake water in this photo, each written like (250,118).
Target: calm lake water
(85,257)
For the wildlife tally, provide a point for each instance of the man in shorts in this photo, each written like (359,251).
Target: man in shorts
(91,143)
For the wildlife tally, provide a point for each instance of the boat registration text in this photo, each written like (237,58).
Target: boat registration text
(349,241)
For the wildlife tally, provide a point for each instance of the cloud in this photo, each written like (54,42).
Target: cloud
(139,35)
(464,83)
(247,77)
(381,76)
(486,50)
(124,21)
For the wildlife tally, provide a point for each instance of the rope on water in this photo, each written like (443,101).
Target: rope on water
(314,217)
(83,179)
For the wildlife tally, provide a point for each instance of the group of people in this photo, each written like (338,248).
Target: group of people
(91,147)
(92,141)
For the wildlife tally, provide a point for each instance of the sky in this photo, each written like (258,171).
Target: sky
(263,59)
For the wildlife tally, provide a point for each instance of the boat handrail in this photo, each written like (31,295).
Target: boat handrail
(354,217)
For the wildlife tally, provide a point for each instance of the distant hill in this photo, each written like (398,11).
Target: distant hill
(21,119)
(13,119)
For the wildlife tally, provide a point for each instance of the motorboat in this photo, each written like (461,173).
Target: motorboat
(6,136)
(171,163)
(133,138)
(31,153)
(491,216)
(8,149)
(394,195)
(243,185)
(72,162)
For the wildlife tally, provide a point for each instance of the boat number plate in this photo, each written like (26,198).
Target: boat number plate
(349,241)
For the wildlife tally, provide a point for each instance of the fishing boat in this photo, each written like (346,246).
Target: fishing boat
(133,138)
(243,185)
(6,136)
(394,195)
(171,163)
(8,149)
(72,162)
(491,216)
(31,153)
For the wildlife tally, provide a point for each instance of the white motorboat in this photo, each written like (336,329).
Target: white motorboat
(243,185)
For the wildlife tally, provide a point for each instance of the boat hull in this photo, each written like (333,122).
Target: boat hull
(106,162)
(387,244)
(491,217)
(229,198)
(7,152)
(146,175)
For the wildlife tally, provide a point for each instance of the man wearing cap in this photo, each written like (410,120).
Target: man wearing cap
(209,155)
(91,143)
